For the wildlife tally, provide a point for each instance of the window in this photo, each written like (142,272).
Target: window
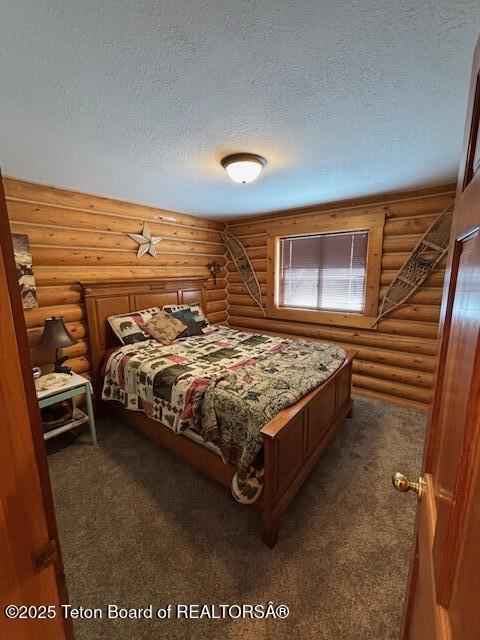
(325,271)
(325,268)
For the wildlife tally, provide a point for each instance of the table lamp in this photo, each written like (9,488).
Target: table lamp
(56,336)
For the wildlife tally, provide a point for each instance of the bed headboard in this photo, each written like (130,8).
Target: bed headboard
(103,299)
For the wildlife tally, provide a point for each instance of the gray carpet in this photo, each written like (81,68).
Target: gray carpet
(138,526)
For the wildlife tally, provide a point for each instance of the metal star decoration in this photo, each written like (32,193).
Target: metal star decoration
(146,241)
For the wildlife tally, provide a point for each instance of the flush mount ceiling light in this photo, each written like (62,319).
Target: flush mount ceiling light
(243,167)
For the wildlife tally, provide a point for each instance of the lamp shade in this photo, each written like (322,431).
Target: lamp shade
(243,167)
(55,335)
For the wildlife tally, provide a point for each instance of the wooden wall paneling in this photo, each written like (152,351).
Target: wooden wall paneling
(396,361)
(354,337)
(30,192)
(43,214)
(419,201)
(57,236)
(56,275)
(68,256)
(78,237)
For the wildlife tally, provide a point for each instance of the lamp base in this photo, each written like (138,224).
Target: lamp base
(60,369)
(59,366)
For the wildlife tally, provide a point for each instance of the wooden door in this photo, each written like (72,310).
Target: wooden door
(443,597)
(31,570)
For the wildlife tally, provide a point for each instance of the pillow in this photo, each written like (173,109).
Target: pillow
(188,319)
(195,308)
(130,327)
(164,328)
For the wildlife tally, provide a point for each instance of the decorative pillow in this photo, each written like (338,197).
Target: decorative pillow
(164,327)
(130,327)
(196,309)
(188,319)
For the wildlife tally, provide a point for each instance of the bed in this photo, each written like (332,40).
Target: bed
(293,440)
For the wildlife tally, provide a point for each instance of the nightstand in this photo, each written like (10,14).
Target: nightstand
(76,386)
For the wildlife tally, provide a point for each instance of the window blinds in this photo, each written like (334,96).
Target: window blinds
(324,271)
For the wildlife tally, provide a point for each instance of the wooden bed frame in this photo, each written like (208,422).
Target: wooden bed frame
(293,440)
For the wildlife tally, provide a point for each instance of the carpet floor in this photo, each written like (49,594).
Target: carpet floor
(138,526)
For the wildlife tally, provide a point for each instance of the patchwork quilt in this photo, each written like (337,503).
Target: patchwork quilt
(225,385)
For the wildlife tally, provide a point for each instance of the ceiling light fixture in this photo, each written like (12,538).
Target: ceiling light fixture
(243,167)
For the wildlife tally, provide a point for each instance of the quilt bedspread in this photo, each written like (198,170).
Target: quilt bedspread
(225,384)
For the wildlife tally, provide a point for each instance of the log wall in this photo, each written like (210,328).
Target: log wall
(396,361)
(74,237)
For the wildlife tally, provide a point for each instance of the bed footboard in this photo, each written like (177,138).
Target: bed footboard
(296,438)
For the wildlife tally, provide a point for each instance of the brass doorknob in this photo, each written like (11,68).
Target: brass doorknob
(403,484)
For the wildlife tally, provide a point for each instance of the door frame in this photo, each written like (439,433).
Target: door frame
(36,428)
(460,232)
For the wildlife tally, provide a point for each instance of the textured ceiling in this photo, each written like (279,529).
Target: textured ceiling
(140,99)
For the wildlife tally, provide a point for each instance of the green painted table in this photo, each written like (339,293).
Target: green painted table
(76,386)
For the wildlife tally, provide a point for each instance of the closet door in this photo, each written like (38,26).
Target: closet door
(31,570)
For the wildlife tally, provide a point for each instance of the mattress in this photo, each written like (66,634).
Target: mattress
(197,438)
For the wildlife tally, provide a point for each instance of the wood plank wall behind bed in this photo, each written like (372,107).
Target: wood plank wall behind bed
(77,237)
(395,362)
